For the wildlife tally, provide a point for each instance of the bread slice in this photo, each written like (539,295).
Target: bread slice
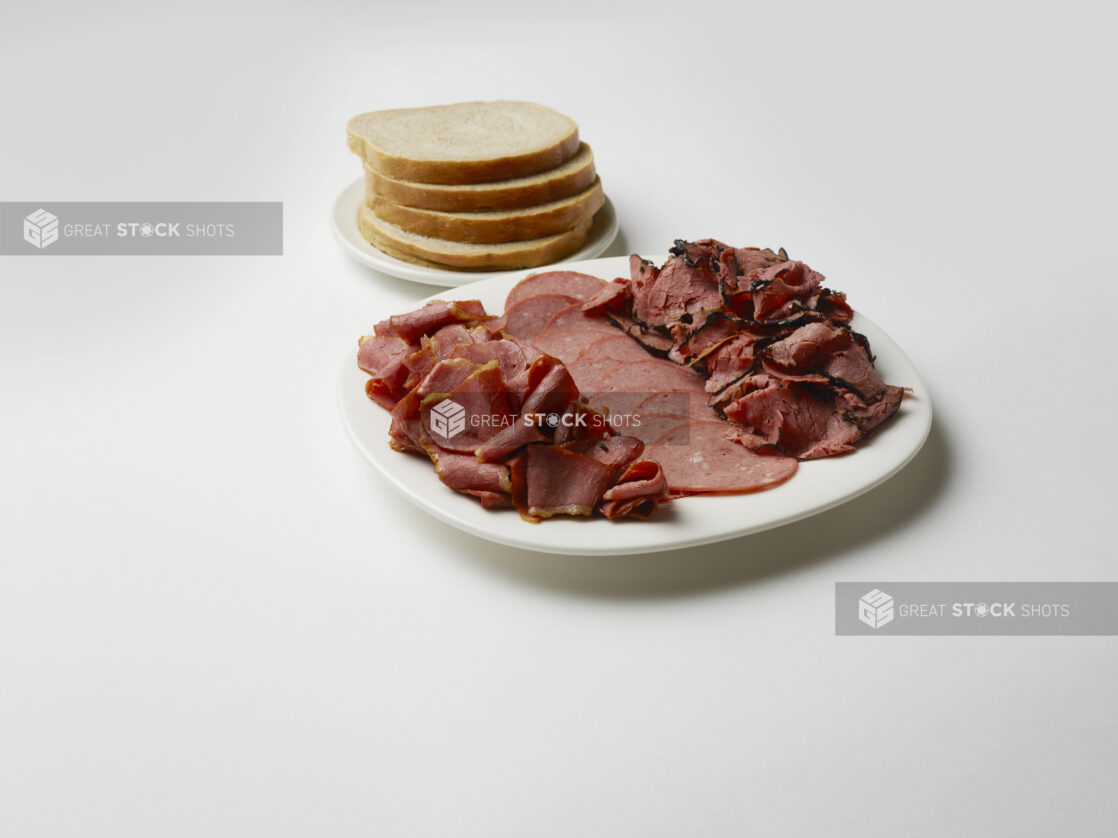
(555,184)
(470,142)
(493,227)
(438,253)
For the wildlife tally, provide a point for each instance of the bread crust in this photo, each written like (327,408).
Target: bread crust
(500,195)
(493,227)
(454,172)
(533,254)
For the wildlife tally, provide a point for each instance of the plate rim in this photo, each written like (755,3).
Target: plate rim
(612,545)
(343,223)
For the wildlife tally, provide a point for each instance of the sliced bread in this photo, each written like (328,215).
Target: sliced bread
(493,227)
(439,253)
(555,184)
(469,142)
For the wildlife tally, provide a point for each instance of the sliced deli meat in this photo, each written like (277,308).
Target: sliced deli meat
(698,458)
(713,373)
(572,317)
(774,345)
(527,318)
(614,347)
(501,421)
(564,344)
(650,376)
(569,283)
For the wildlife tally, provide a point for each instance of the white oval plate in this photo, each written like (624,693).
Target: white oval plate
(343,221)
(817,486)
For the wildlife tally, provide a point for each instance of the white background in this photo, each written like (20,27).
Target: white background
(216,620)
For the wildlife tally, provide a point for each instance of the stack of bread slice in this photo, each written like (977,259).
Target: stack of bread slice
(476,185)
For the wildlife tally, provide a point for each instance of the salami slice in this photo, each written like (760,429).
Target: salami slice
(587,371)
(651,376)
(573,317)
(685,405)
(571,283)
(564,344)
(697,459)
(528,318)
(618,346)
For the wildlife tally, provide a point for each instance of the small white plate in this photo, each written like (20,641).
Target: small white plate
(817,486)
(343,221)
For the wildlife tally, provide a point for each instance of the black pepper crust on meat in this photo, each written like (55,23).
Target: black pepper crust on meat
(763,294)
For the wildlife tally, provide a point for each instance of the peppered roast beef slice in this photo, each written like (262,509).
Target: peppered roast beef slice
(774,345)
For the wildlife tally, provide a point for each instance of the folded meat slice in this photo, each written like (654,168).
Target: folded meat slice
(805,347)
(480,408)
(655,342)
(429,318)
(869,416)
(570,283)
(805,421)
(833,306)
(692,340)
(781,291)
(463,473)
(831,351)
(490,500)
(637,492)
(438,347)
(406,431)
(510,356)
(728,361)
(750,259)
(680,289)
(550,392)
(384,358)
(787,416)
(550,480)
(613,296)
(502,421)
